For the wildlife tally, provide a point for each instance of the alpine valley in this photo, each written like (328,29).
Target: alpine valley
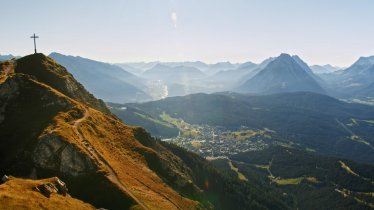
(278,136)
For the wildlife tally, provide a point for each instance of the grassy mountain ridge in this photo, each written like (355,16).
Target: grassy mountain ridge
(76,142)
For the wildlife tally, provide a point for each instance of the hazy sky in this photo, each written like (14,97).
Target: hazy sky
(319,31)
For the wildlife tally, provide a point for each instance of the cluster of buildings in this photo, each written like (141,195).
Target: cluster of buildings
(213,141)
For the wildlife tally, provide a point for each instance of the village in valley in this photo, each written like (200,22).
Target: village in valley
(217,141)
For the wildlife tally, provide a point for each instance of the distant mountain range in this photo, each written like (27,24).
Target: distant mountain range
(177,74)
(355,81)
(281,76)
(155,80)
(7,57)
(145,81)
(221,66)
(229,78)
(360,74)
(207,68)
(324,69)
(108,82)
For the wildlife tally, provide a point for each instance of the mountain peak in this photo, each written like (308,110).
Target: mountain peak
(284,74)
(283,59)
(284,55)
(49,72)
(363,61)
(55,53)
(43,68)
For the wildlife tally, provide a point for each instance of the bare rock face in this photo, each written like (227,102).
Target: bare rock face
(54,153)
(8,90)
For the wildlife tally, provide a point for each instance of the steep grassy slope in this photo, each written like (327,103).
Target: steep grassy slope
(44,132)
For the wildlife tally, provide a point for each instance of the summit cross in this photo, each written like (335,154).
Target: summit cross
(34,37)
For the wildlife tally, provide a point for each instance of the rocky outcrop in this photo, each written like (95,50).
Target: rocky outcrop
(54,153)
(54,186)
(8,90)
(50,193)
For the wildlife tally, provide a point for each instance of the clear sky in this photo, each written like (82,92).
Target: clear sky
(319,31)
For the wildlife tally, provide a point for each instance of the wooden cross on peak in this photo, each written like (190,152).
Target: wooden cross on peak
(34,37)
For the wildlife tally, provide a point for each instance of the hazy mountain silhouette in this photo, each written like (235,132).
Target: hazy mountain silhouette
(324,69)
(178,74)
(284,74)
(355,81)
(105,81)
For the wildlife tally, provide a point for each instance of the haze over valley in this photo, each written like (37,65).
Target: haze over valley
(226,105)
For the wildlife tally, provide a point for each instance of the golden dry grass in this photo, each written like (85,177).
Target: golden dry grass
(19,194)
(117,145)
(295,181)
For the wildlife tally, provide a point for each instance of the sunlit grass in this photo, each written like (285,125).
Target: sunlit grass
(262,166)
(248,134)
(236,170)
(154,120)
(295,181)
(179,123)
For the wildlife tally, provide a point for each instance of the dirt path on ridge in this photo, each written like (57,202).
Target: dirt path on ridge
(112,176)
